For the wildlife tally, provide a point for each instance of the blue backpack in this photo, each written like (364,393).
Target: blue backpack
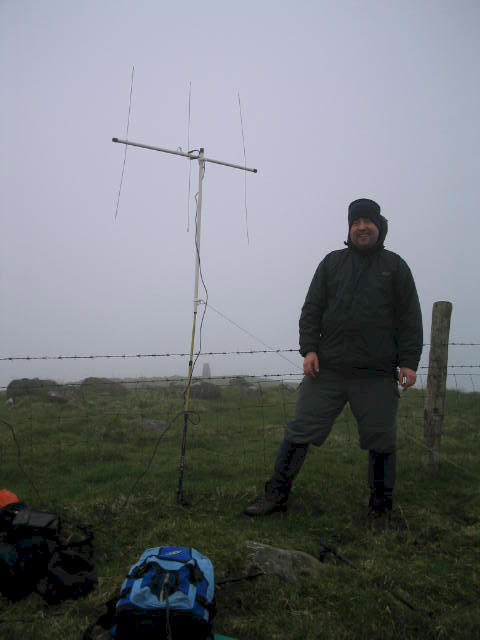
(168,594)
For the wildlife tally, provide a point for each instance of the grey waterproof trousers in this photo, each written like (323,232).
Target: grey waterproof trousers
(373,400)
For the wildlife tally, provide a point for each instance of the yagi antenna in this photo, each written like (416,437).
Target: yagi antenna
(200,156)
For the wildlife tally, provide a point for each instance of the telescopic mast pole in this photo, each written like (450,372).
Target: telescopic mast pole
(200,156)
(186,406)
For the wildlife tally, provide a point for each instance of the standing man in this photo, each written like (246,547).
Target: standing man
(360,334)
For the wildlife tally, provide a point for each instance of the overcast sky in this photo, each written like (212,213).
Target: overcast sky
(340,100)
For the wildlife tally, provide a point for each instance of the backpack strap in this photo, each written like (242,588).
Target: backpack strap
(105,620)
(196,574)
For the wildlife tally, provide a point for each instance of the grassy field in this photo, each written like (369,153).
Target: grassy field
(92,460)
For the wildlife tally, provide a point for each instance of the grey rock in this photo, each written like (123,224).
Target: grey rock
(288,564)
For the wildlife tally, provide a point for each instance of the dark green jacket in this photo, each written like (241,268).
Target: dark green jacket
(362,313)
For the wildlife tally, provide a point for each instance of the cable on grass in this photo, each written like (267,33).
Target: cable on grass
(149,464)
(250,576)
(378,581)
(87,529)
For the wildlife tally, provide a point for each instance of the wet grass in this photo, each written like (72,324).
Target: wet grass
(93,463)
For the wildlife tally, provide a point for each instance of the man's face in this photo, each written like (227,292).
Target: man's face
(364,233)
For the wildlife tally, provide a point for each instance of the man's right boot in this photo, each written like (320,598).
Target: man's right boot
(273,500)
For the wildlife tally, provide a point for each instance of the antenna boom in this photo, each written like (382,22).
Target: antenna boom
(190,156)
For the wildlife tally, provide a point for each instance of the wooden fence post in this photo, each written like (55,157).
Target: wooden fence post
(436,383)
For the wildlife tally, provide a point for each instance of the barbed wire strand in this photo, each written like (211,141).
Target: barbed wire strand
(126,356)
(147,355)
(158,381)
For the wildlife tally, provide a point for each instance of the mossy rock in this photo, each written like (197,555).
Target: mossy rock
(102,386)
(205,391)
(23,387)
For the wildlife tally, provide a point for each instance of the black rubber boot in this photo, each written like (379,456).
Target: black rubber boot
(273,500)
(381,469)
(290,458)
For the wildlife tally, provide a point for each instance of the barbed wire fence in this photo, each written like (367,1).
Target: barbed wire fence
(203,353)
(91,418)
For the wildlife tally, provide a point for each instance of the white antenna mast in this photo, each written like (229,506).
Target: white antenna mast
(200,156)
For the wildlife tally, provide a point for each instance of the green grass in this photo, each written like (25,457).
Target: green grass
(85,458)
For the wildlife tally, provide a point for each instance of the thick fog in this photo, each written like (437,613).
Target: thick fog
(339,100)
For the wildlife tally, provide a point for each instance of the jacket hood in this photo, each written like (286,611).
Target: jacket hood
(382,234)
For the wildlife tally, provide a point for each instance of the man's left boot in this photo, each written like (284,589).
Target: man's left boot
(290,458)
(381,468)
(274,499)
(379,510)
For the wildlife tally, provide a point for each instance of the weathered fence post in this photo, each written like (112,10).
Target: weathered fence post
(436,383)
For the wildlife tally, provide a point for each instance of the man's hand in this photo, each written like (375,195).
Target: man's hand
(310,364)
(407,377)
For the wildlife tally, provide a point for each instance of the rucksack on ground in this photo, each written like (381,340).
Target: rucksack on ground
(168,594)
(34,559)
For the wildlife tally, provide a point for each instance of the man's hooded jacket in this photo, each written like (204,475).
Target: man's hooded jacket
(361,313)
